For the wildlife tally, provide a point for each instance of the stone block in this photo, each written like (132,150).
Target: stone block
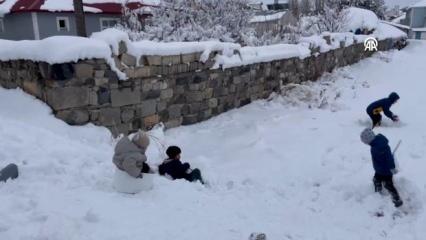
(146,86)
(190,57)
(173,123)
(94,115)
(161,106)
(130,72)
(213,102)
(109,116)
(142,72)
(128,60)
(83,70)
(93,98)
(152,94)
(74,116)
(170,60)
(125,96)
(112,77)
(190,119)
(122,48)
(99,73)
(127,114)
(175,111)
(166,94)
(33,88)
(194,96)
(101,81)
(151,121)
(67,97)
(146,108)
(208,93)
(154,60)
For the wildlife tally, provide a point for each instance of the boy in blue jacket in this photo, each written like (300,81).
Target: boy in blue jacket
(375,109)
(176,169)
(383,163)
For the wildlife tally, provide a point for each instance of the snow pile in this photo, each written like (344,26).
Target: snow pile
(384,31)
(250,55)
(6,6)
(358,18)
(77,48)
(267,18)
(318,41)
(113,37)
(269,165)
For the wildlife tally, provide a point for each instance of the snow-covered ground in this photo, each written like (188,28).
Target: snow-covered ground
(277,167)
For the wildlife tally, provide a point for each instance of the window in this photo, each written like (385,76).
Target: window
(1,25)
(108,22)
(63,24)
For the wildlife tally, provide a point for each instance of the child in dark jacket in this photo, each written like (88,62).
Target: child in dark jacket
(383,163)
(176,169)
(383,105)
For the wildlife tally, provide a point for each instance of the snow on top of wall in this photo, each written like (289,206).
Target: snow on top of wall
(419,4)
(176,48)
(359,18)
(6,6)
(267,18)
(250,55)
(103,45)
(52,50)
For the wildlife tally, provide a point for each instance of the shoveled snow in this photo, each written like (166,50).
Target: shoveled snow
(279,167)
(358,18)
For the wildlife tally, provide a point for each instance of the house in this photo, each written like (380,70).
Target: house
(38,19)
(272,21)
(416,20)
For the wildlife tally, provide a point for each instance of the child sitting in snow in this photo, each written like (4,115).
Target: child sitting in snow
(375,109)
(130,156)
(174,168)
(383,163)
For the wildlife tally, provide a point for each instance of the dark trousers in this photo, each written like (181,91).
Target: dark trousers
(376,118)
(194,176)
(387,182)
(9,172)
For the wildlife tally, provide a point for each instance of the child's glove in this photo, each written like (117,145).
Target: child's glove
(394,171)
(395,118)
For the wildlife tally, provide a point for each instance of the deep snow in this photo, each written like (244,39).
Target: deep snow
(277,167)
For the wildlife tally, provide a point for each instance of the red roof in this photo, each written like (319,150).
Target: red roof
(107,7)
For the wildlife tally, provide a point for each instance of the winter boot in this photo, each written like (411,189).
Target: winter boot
(195,175)
(397,202)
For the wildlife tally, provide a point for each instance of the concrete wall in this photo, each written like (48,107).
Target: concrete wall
(176,90)
(20,26)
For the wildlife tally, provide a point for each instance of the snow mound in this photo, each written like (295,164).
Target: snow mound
(358,18)
(6,6)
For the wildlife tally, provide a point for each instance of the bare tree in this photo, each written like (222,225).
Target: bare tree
(80,21)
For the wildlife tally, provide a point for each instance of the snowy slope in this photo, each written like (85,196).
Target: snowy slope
(277,167)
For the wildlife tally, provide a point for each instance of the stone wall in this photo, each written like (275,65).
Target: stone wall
(175,90)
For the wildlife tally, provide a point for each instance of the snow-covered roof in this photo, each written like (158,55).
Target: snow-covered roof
(90,6)
(267,18)
(396,25)
(398,19)
(419,4)
(359,18)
